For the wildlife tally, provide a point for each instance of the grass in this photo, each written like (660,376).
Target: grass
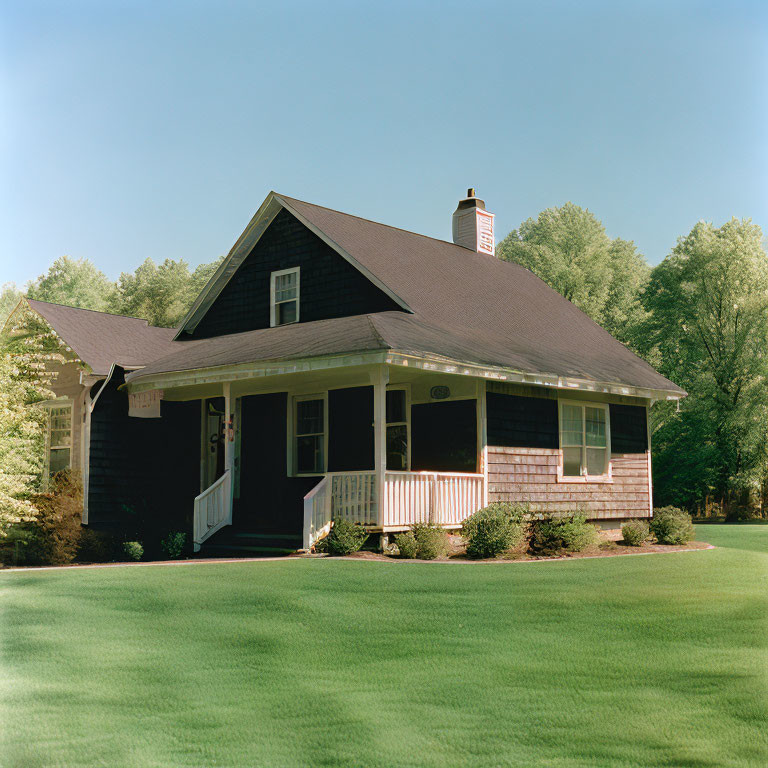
(645,661)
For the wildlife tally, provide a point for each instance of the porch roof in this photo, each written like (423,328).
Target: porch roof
(409,335)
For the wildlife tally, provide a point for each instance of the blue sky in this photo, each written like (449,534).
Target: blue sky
(156,129)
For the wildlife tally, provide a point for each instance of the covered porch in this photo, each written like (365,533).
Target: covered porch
(285,452)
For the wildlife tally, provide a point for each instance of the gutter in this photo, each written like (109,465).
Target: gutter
(280,366)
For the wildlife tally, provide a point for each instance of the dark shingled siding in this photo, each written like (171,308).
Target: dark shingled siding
(444,436)
(270,501)
(330,286)
(149,465)
(522,422)
(350,429)
(629,432)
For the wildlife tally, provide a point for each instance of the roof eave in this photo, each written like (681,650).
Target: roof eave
(279,366)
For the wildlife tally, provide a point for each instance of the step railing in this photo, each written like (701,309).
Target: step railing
(317,513)
(213,510)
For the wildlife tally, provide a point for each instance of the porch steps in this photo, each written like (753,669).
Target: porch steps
(233,543)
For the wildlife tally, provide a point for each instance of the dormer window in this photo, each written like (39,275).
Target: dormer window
(284,297)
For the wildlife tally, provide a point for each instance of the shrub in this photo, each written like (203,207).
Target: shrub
(431,541)
(345,537)
(173,544)
(494,529)
(671,525)
(569,532)
(635,532)
(95,547)
(133,550)
(54,535)
(406,544)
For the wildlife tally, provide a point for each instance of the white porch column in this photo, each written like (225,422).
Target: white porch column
(229,425)
(380,378)
(482,436)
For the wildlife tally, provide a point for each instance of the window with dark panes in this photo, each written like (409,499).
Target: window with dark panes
(309,439)
(397,429)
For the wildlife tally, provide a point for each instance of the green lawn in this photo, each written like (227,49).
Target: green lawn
(627,661)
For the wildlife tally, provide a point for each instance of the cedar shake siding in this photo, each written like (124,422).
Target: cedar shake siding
(523,459)
(330,287)
(143,473)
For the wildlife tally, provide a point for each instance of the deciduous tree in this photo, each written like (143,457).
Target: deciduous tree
(74,282)
(707,330)
(568,248)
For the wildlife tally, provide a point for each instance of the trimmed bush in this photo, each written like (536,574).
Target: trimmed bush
(671,525)
(406,544)
(344,538)
(431,541)
(569,532)
(95,547)
(494,529)
(173,544)
(133,550)
(635,532)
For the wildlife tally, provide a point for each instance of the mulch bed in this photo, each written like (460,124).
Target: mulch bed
(609,545)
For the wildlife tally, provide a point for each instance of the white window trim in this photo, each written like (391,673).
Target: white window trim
(273,306)
(48,405)
(293,457)
(607,477)
(407,389)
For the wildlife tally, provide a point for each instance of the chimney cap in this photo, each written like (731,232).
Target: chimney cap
(471,201)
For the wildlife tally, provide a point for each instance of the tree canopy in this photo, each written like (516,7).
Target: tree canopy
(76,282)
(707,330)
(568,248)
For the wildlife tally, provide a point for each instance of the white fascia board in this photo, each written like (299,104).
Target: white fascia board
(498,373)
(391,357)
(245,243)
(246,371)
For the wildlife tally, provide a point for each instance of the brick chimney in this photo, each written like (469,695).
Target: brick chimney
(473,225)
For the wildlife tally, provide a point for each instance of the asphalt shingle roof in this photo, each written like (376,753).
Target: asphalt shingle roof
(100,339)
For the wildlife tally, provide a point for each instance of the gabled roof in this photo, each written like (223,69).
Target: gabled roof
(100,339)
(459,304)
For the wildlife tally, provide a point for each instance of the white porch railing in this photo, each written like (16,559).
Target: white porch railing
(442,498)
(354,496)
(213,509)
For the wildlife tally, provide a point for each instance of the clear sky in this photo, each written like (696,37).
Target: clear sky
(135,129)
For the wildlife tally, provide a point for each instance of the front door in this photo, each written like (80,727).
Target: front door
(213,440)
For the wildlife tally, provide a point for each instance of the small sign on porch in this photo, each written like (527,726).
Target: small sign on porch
(145,405)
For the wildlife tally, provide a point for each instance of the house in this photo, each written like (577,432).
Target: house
(334,366)
(92,343)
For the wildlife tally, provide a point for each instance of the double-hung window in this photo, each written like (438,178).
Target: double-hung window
(284,297)
(584,439)
(309,444)
(59,438)
(397,429)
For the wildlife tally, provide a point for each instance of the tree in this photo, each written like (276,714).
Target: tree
(568,248)
(707,330)
(25,350)
(161,294)
(9,298)
(75,282)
